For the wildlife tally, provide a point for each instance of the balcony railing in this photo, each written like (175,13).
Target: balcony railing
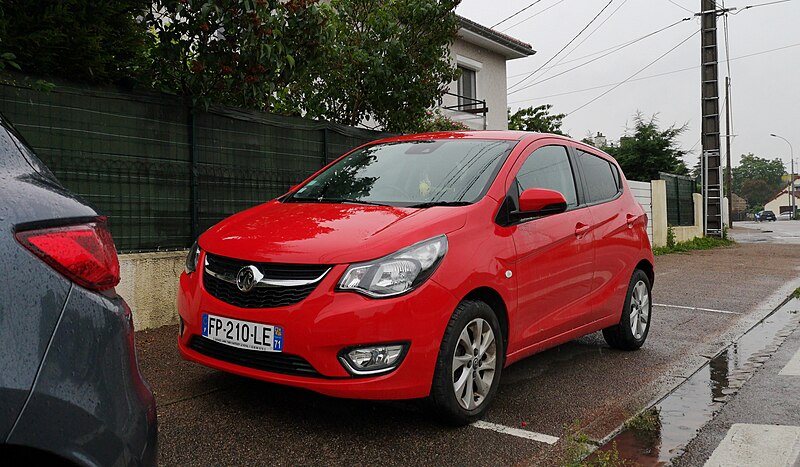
(467,104)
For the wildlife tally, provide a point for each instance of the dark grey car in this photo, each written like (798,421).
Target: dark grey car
(70,387)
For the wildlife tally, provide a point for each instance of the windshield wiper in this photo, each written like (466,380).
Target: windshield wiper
(431,204)
(345,201)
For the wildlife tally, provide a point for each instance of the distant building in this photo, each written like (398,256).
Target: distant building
(599,140)
(738,207)
(479,98)
(782,201)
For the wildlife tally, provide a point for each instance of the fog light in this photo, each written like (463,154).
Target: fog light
(372,360)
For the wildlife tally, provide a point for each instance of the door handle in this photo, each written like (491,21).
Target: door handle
(630,218)
(581,229)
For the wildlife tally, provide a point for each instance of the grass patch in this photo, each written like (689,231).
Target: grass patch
(646,426)
(579,447)
(796,293)
(647,421)
(697,243)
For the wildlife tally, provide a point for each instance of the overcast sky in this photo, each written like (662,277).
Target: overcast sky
(765,87)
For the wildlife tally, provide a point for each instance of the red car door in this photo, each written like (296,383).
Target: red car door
(617,242)
(554,256)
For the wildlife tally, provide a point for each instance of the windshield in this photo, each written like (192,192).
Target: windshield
(410,173)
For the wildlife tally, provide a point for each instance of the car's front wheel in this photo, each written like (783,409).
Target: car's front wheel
(469,364)
(634,324)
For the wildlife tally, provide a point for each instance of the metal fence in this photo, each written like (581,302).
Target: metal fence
(160,172)
(680,205)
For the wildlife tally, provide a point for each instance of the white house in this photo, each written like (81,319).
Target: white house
(479,98)
(782,202)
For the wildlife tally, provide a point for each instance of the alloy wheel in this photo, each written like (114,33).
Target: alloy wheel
(640,309)
(474,363)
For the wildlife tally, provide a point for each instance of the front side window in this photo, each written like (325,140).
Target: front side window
(549,167)
(410,173)
(602,178)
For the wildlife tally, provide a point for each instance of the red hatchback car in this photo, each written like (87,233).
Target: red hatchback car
(421,266)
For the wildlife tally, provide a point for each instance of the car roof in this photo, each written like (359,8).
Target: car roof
(505,135)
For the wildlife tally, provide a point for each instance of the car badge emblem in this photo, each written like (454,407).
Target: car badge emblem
(247,278)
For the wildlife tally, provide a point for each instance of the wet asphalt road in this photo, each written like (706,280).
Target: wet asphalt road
(210,418)
(781,231)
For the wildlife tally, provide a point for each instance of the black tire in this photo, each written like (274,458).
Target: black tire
(443,388)
(621,336)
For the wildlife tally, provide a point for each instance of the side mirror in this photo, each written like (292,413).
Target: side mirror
(535,202)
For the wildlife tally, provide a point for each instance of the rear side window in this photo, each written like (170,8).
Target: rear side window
(601,177)
(14,150)
(549,167)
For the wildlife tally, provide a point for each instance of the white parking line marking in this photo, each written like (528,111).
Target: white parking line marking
(793,367)
(756,445)
(694,308)
(507,430)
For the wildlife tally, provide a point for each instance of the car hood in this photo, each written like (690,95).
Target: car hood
(321,233)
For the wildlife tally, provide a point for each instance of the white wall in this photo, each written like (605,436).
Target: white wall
(491,82)
(653,198)
(641,191)
(784,199)
(149,283)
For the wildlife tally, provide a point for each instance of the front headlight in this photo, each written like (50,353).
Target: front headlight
(397,273)
(192,258)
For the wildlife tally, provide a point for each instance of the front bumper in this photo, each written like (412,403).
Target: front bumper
(319,327)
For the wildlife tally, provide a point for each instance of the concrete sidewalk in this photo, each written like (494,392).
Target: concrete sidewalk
(760,425)
(703,302)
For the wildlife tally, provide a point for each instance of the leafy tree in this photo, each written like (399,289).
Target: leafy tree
(436,121)
(237,52)
(96,41)
(385,59)
(8,59)
(536,119)
(751,168)
(756,191)
(649,150)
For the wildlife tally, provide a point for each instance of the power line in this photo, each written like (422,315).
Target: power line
(617,46)
(680,6)
(728,66)
(623,44)
(533,15)
(604,55)
(585,38)
(657,75)
(640,70)
(758,5)
(562,49)
(515,14)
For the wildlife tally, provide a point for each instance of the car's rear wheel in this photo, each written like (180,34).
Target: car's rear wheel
(634,324)
(469,364)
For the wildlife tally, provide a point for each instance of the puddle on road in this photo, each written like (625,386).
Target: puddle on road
(685,410)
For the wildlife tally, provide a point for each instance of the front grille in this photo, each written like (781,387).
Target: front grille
(260,297)
(274,362)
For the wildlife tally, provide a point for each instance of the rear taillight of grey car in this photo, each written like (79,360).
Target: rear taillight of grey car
(84,253)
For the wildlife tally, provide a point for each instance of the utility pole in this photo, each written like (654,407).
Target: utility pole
(728,175)
(710,159)
(792,204)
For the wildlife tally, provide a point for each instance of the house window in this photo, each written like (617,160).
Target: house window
(467,92)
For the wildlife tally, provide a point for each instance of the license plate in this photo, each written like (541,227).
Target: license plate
(243,334)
